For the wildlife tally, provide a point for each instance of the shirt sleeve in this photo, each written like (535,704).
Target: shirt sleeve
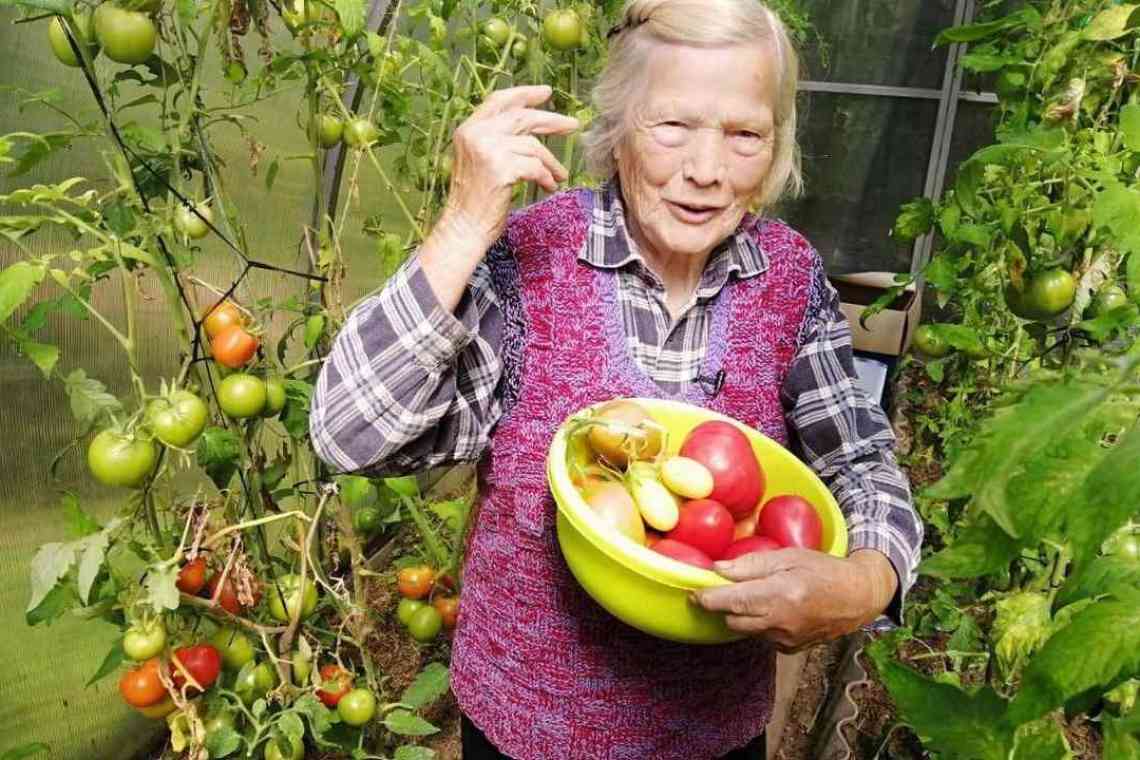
(847,440)
(409,385)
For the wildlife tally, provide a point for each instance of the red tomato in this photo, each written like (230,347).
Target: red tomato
(750,545)
(448,607)
(228,599)
(337,682)
(233,347)
(738,480)
(201,661)
(706,525)
(683,553)
(192,576)
(415,582)
(791,521)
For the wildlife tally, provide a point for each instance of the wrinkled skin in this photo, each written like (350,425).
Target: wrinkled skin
(797,598)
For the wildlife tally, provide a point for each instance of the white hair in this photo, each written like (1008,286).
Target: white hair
(702,23)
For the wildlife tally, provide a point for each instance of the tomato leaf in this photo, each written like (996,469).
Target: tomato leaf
(986,62)
(980,549)
(162,588)
(412,752)
(1040,740)
(295,418)
(223,741)
(1109,492)
(431,684)
(17,283)
(1097,650)
(351,14)
(291,725)
(1118,208)
(93,550)
(1110,24)
(1130,126)
(110,664)
(405,723)
(43,355)
(79,523)
(57,601)
(321,719)
(915,220)
(219,452)
(974,32)
(962,725)
(89,398)
(1122,736)
(314,329)
(31,153)
(51,563)
(1104,575)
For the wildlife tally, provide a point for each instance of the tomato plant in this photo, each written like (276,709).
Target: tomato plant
(224,315)
(202,662)
(227,595)
(360,133)
(562,30)
(234,647)
(193,222)
(425,624)
(329,130)
(407,608)
(254,682)
(241,396)
(125,36)
(448,608)
(60,46)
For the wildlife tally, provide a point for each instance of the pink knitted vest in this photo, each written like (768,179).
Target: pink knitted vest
(537,665)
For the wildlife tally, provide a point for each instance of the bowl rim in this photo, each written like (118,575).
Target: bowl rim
(637,557)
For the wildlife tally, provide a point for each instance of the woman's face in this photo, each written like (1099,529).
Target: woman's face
(700,146)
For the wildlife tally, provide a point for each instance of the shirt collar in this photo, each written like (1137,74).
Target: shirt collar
(609,246)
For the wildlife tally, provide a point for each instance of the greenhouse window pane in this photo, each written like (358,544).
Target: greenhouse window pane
(863,158)
(885,42)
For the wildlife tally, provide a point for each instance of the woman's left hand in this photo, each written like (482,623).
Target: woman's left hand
(797,598)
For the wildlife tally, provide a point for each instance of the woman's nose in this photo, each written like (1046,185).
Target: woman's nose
(705,163)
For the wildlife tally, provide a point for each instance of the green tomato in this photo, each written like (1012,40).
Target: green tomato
(116,459)
(1107,299)
(254,683)
(192,222)
(274,397)
(179,419)
(406,485)
(218,722)
(366,521)
(241,396)
(126,36)
(357,707)
(425,624)
(1045,296)
(142,642)
(408,608)
(929,343)
(290,589)
(360,132)
(520,49)
(234,646)
(562,30)
(329,130)
(297,749)
(497,31)
(57,38)
(357,491)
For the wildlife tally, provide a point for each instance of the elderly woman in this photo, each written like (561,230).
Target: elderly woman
(661,284)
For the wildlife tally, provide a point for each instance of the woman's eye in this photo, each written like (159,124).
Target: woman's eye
(671,132)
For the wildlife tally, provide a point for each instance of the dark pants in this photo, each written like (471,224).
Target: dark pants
(477,747)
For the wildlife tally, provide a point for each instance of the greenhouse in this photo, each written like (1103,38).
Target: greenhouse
(559,380)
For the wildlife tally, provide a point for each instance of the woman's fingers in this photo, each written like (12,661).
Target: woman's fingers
(532,146)
(513,97)
(532,169)
(534,121)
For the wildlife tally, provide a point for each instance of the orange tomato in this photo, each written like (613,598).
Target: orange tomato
(234,347)
(142,686)
(415,582)
(336,682)
(448,607)
(224,315)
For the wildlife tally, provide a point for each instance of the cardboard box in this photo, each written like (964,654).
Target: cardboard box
(888,332)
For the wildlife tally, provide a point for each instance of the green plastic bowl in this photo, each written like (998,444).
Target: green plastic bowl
(650,591)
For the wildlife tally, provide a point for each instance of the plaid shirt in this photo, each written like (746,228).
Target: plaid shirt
(409,385)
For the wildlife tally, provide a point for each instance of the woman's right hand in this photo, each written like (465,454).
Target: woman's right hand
(496,148)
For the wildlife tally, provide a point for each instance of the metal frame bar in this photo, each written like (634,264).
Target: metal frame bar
(884,91)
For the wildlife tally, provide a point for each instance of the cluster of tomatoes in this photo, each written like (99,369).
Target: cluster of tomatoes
(125,35)
(119,457)
(427,603)
(704,504)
